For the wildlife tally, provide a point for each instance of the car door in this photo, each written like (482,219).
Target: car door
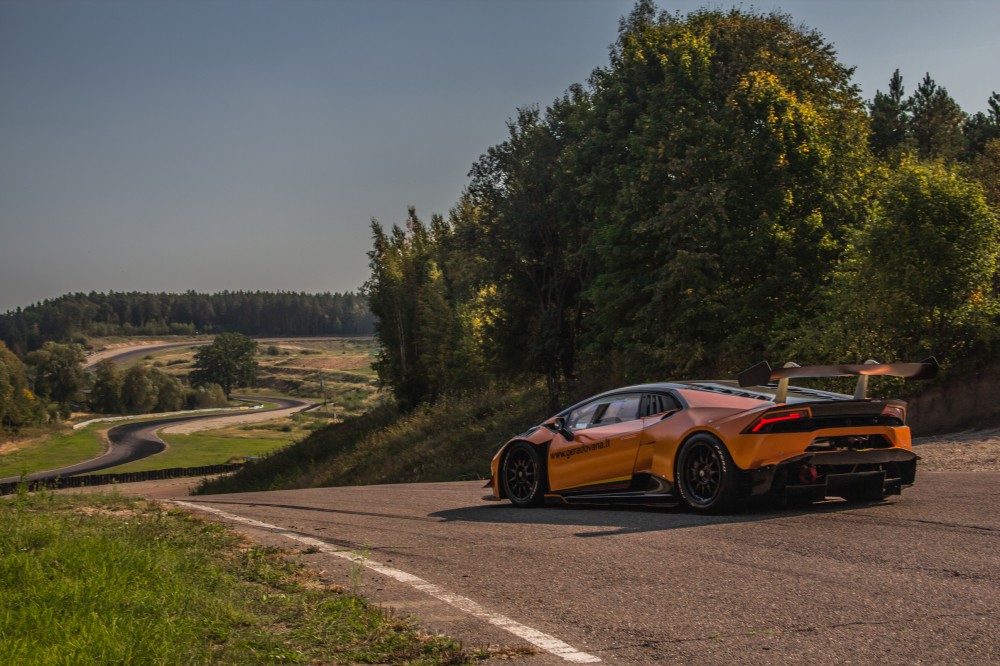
(601,455)
(656,409)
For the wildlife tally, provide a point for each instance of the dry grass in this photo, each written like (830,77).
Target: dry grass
(453,440)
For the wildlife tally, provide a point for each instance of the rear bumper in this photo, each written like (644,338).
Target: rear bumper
(871,474)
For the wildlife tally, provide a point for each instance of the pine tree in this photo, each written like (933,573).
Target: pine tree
(936,122)
(889,118)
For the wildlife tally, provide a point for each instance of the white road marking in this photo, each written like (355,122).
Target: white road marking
(537,638)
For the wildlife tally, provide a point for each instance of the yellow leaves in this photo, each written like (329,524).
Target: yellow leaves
(485,313)
(28,395)
(794,126)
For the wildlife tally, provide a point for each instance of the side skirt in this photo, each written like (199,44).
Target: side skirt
(645,490)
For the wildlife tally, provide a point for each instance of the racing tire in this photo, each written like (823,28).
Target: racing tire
(707,478)
(523,475)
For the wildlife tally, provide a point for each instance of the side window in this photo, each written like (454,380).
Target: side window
(582,416)
(658,403)
(613,409)
(621,408)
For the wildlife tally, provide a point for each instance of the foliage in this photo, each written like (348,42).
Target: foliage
(985,169)
(919,278)
(252,313)
(206,396)
(981,128)
(58,372)
(106,388)
(170,393)
(702,203)
(936,122)
(417,326)
(18,405)
(929,124)
(527,228)
(139,393)
(229,362)
(889,118)
(734,165)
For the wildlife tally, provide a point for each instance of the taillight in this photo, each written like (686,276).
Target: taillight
(764,422)
(895,412)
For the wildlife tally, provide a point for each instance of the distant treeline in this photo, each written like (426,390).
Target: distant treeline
(136,313)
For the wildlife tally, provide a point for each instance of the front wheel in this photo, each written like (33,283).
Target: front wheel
(523,475)
(706,475)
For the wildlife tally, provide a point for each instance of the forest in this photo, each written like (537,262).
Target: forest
(716,194)
(74,316)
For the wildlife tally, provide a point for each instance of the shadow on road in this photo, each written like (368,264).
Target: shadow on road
(632,519)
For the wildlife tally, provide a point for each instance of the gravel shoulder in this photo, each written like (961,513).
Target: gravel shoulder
(967,451)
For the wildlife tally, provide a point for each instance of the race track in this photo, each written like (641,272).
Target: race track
(915,580)
(134,441)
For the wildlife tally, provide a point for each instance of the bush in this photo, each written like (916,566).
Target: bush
(206,397)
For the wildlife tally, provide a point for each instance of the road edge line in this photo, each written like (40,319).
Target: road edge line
(539,639)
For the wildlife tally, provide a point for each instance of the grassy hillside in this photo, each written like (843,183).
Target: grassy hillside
(455,439)
(109,580)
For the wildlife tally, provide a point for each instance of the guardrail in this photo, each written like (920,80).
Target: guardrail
(121,477)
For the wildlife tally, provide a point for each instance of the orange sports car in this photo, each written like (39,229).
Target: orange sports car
(715,444)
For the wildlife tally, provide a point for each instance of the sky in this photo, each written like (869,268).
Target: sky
(209,145)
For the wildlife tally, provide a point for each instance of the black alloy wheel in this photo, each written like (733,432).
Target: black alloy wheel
(523,475)
(706,474)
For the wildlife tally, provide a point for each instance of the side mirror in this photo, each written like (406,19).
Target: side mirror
(560,426)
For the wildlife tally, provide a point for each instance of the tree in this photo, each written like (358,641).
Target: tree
(985,168)
(982,128)
(416,323)
(18,405)
(138,390)
(229,362)
(728,162)
(936,122)
(170,394)
(58,371)
(918,279)
(889,118)
(529,233)
(106,390)
(205,397)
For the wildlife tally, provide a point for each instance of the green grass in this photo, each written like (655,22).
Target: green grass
(453,440)
(68,447)
(59,450)
(203,448)
(108,580)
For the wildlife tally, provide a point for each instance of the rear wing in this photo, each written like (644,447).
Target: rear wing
(763,373)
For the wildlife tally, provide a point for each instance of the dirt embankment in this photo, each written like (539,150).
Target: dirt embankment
(964,403)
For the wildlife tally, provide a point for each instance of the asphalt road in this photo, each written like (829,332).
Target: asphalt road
(134,441)
(912,581)
(141,351)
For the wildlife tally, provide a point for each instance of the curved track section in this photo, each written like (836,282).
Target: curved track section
(134,441)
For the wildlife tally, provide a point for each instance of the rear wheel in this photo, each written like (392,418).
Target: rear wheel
(523,475)
(706,475)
